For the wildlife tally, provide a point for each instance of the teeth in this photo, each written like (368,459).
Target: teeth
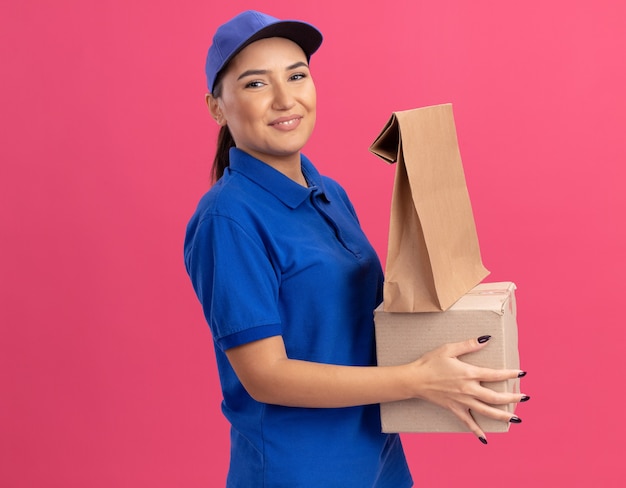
(287,122)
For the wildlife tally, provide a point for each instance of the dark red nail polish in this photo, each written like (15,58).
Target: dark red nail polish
(525,398)
(521,374)
(483,440)
(515,420)
(483,339)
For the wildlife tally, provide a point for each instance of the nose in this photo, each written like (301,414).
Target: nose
(283,98)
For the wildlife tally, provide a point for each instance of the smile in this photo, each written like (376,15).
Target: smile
(286,122)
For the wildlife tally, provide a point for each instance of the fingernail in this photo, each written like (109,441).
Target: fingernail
(483,339)
(521,374)
(515,420)
(525,398)
(483,440)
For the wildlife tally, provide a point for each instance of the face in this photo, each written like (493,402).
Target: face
(268,101)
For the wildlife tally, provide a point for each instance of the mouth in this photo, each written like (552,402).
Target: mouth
(286,121)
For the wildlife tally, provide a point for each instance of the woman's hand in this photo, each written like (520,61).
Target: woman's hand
(445,380)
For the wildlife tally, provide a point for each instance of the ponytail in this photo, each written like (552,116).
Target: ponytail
(224,141)
(221,161)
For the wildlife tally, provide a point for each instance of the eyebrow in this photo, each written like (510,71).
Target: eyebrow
(256,72)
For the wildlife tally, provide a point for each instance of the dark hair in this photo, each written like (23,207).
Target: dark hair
(224,142)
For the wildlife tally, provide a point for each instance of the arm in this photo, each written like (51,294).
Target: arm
(270,376)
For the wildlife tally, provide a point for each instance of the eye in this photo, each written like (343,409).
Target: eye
(297,76)
(254,84)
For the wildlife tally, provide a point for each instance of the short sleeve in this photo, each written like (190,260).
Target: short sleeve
(235,282)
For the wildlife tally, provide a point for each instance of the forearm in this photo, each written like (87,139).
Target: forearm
(270,376)
(305,384)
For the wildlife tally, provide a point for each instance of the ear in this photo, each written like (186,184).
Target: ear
(214,109)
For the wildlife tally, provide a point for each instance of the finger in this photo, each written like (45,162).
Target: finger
(487,395)
(488,375)
(455,349)
(465,416)
(494,412)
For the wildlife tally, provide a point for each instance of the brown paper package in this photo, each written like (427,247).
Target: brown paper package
(433,254)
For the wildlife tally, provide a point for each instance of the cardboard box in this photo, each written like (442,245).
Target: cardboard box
(489,308)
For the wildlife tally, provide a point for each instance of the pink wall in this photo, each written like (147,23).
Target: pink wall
(107,372)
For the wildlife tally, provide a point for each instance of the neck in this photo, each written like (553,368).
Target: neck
(294,173)
(290,167)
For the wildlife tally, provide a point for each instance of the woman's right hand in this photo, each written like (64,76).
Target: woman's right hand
(447,381)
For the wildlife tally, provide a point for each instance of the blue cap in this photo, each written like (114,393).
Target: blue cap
(250,26)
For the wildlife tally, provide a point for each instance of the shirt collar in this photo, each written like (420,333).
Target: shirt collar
(282,187)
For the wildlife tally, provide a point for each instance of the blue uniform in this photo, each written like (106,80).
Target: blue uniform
(269,257)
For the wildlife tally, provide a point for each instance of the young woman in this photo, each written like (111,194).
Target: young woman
(288,283)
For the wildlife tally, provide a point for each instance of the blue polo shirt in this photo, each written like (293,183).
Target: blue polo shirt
(269,257)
